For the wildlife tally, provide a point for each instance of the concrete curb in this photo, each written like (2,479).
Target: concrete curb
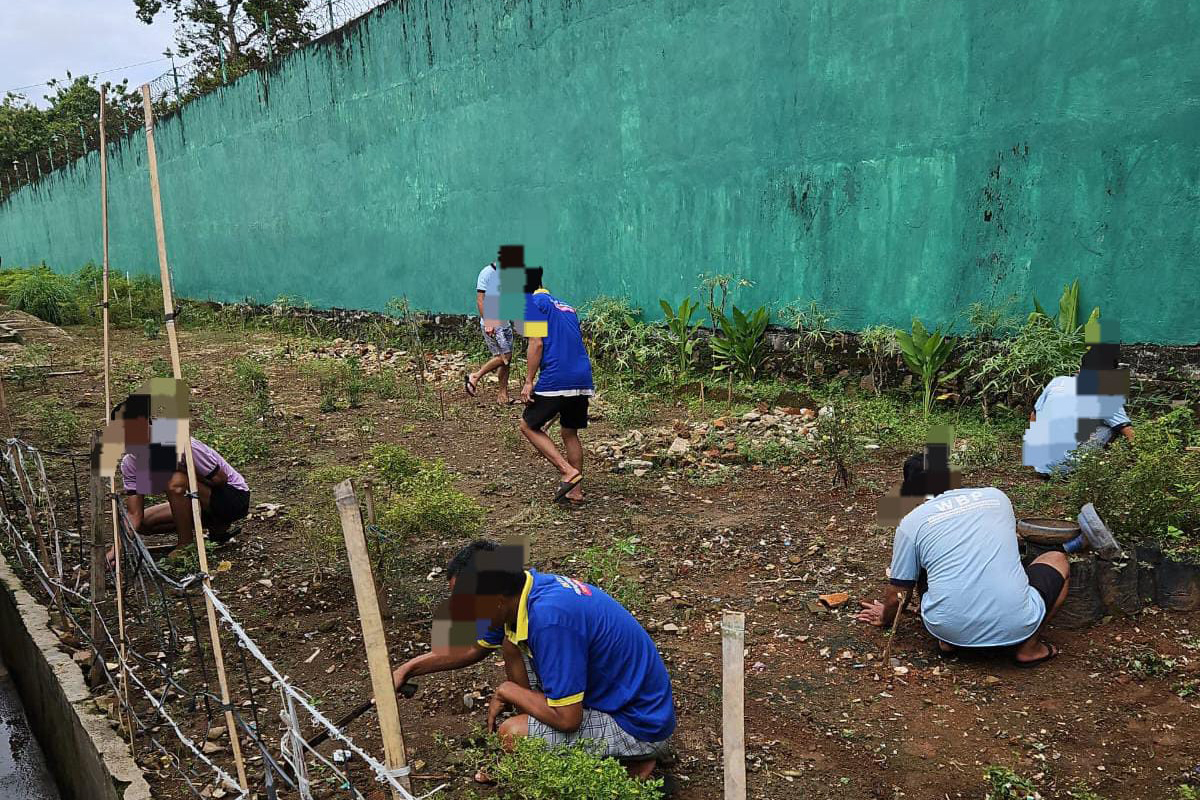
(88,759)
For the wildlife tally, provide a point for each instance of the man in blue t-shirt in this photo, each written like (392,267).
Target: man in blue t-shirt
(556,350)
(593,674)
(959,547)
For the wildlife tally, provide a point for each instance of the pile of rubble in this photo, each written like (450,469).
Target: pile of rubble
(440,366)
(712,443)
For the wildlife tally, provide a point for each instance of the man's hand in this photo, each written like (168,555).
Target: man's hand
(526,391)
(495,706)
(399,677)
(872,613)
(489,329)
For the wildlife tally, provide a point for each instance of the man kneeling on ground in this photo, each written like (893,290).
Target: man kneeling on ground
(959,548)
(588,671)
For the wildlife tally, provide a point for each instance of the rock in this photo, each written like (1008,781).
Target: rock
(751,416)
(679,447)
(211,748)
(991,680)
(635,463)
(670,627)
(216,732)
(83,657)
(719,423)
(265,582)
(769,420)
(817,607)
(637,473)
(900,670)
(834,600)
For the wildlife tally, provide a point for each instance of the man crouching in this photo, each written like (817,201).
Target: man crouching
(592,674)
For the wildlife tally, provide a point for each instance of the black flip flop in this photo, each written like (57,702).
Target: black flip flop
(468,387)
(567,486)
(1051,652)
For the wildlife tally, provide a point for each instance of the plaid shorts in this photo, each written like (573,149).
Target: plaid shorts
(499,343)
(598,732)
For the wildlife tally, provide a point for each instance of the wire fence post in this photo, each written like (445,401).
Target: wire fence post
(374,638)
(267,31)
(175,76)
(189,459)
(97,582)
(329,10)
(733,723)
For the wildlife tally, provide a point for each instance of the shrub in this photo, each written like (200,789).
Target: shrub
(1015,370)
(394,464)
(536,771)
(428,506)
(1067,317)
(335,378)
(618,338)
(44,294)
(251,379)
(817,336)
(881,349)
(681,331)
(837,441)
(1146,490)
(720,286)
(56,424)
(925,354)
(740,348)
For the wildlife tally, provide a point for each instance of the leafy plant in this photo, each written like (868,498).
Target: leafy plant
(618,339)
(602,567)
(239,444)
(1147,490)
(535,770)
(719,286)
(681,330)
(1015,369)
(151,328)
(881,349)
(1145,663)
(1068,310)
(56,424)
(837,441)
(1004,784)
(395,464)
(741,348)
(251,379)
(1186,791)
(817,335)
(925,354)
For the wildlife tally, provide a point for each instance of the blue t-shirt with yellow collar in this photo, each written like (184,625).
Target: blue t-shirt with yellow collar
(586,647)
(565,363)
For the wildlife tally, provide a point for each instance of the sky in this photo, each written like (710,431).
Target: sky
(42,39)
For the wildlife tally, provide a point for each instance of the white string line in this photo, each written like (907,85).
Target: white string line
(382,773)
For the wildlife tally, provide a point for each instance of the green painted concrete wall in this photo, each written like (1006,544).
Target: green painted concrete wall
(887,159)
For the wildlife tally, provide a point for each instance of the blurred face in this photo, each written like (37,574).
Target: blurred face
(137,431)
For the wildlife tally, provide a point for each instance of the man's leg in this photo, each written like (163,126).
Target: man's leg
(574,450)
(157,519)
(545,445)
(502,374)
(181,506)
(1034,648)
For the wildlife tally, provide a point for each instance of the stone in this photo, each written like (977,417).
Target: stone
(834,600)
(817,608)
(991,680)
(751,416)
(679,447)
(83,657)
(635,463)
(216,732)
(900,670)
(211,748)
(670,627)
(719,423)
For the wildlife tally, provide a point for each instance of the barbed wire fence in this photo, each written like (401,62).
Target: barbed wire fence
(184,82)
(159,691)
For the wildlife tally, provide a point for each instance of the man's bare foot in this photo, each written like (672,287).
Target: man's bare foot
(946,647)
(640,769)
(502,398)
(575,495)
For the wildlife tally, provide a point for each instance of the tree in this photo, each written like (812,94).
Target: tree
(236,30)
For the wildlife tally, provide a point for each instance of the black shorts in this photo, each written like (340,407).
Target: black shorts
(572,411)
(1047,581)
(227,506)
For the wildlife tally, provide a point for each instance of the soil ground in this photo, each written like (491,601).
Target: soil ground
(820,720)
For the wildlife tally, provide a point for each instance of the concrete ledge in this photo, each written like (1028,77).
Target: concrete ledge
(87,758)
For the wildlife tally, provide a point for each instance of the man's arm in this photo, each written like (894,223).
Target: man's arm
(533,360)
(218,478)
(881,612)
(562,718)
(135,505)
(438,662)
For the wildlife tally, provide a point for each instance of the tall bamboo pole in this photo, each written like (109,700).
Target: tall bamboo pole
(197,524)
(118,560)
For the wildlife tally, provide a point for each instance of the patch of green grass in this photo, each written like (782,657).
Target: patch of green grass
(1185,791)
(238,443)
(395,464)
(602,567)
(769,453)
(1081,791)
(251,380)
(1187,688)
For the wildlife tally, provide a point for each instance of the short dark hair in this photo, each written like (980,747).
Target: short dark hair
(466,556)
(927,472)
(914,476)
(136,406)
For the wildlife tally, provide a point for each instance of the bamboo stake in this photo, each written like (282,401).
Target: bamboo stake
(373,636)
(733,703)
(27,496)
(197,525)
(887,651)
(97,582)
(369,502)
(4,410)
(118,558)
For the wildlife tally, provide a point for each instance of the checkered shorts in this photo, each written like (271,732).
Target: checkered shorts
(499,343)
(598,732)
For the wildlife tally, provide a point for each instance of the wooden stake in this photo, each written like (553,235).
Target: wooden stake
(98,579)
(214,631)
(887,651)
(373,635)
(27,496)
(733,703)
(8,426)
(104,252)
(369,502)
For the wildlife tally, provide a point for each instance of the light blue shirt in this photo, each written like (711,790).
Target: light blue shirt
(1050,438)
(979,594)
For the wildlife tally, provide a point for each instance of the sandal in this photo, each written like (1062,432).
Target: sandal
(470,388)
(567,486)
(1051,652)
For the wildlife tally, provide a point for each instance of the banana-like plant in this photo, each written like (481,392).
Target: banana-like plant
(1067,318)
(925,354)
(740,347)
(681,329)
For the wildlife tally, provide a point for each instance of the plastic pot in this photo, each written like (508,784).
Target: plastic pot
(1177,585)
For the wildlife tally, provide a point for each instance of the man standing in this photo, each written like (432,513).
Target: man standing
(496,334)
(562,389)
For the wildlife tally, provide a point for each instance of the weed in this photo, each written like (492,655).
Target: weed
(1004,784)
(1185,791)
(43,294)
(395,464)
(239,444)
(1081,791)
(881,349)
(681,332)
(1187,688)
(1012,371)
(151,328)
(602,568)
(56,424)
(982,447)
(355,383)
(1068,310)
(429,506)
(535,770)
(251,379)
(1144,663)
(385,384)
(769,453)
(618,339)
(817,335)
(837,441)
(720,287)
